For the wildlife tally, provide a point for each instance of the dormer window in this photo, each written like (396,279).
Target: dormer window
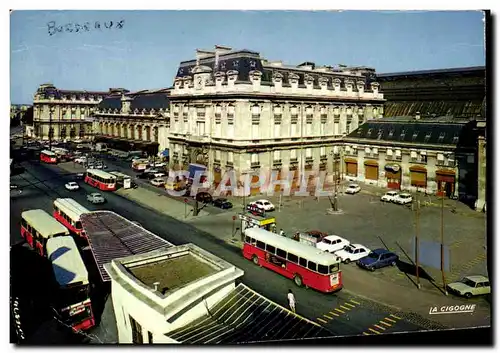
(455,138)
(380,133)
(441,137)
(427,136)
(403,134)
(368,134)
(391,133)
(414,136)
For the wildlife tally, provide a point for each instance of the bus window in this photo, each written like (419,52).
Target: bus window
(312,266)
(281,253)
(334,268)
(247,239)
(302,262)
(78,225)
(253,241)
(270,249)
(293,258)
(261,245)
(323,269)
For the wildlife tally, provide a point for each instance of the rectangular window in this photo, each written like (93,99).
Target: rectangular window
(136,331)
(247,239)
(255,132)
(261,245)
(302,262)
(322,151)
(294,130)
(217,154)
(293,154)
(201,128)
(277,130)
(281,253)
(277,155)
(309,129)
(255,158)
(230,131)
(323,269)
(312,266)
(336,128)
(218,129)
(308,153)
(271,249)
(322,129)
(293,258)
(230,156)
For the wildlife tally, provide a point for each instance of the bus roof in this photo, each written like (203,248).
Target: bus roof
(72,208)
(297,248)
(44,223)
(101,173)
(48,153)
(66,261)
(120,175)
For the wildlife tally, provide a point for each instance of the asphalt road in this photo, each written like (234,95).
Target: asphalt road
(349,315)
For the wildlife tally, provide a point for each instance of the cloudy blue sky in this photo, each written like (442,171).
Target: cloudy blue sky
(144,52)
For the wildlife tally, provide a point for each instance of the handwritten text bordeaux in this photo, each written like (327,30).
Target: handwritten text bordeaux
(53,27)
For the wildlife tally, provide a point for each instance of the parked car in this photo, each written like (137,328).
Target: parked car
(403,199)
(151,170)
(157,182)
(263,204)
(80,160)
(72,186)
(332,243)
(352,252)
(96,198)
(223,204)
(470,285)
(353,189)
(378,258)
(389,196)
(204,197)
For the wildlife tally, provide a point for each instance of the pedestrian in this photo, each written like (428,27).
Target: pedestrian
(282,232)
(291,300)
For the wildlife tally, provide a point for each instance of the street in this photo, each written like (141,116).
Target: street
(347,316)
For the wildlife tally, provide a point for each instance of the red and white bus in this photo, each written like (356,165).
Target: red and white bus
(48,156)
(68,212)
(100,179)
(37,226)
(71,298)
(303,263)
(140,165)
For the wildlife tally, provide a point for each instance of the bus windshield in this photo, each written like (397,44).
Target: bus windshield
(72,295)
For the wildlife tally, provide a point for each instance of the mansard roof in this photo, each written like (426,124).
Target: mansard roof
(140,100)
(47,90)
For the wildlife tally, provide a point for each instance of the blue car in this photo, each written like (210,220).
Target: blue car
(377,259)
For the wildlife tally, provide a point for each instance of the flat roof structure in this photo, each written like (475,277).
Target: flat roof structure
(245,316)
(112,236)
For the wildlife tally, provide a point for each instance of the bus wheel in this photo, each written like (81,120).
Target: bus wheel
(298,280)
(255,259)
(347,261)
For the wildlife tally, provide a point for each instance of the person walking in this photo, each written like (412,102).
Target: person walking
(291,300)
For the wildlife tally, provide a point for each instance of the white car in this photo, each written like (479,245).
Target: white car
(332,243)
(389,196)
(158,175)
(80,160)
(470,285)
(403,199)
(158,182)
(72,186)
(352,252)
(264,204)
(96,198)
(353,189)
(158,164)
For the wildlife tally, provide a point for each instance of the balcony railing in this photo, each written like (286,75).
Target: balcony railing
(255,164)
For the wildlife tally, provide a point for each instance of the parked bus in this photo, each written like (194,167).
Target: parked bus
(48,157)
(122,180)
(68,212)
(37,226)
(100,179)
(304,264)
(71,300)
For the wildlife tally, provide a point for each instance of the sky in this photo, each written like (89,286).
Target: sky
(143,49)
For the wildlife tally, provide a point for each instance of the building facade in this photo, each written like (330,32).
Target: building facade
(64,114)
(234,109)
(434,156)
(134,121)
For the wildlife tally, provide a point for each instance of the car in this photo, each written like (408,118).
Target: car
(353,189)
(96,198)
(223,204)
(352,252)
(403,199)
(378,258)
(80,160)
(263,204)
(204,197)
(389,196)
(72,186)
(332,243)
(158,175)
(98,166)
(158,164)
(157,182)
(469,286)
(151,170)
(80,176)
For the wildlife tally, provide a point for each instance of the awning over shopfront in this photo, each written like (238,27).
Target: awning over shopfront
(245,316)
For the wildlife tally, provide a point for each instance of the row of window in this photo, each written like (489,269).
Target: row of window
(77,224)
(325,270)
(33,231)
(415,134)
(100,179)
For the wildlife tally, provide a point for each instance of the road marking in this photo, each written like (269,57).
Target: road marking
(396,317)
(340,311)
(385,323)
(380,327)
(328,317)
(352,306)
(355,302)
(345,307)
(366,334)
(323,321)
(333,313)
(391,320)
(372,330)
